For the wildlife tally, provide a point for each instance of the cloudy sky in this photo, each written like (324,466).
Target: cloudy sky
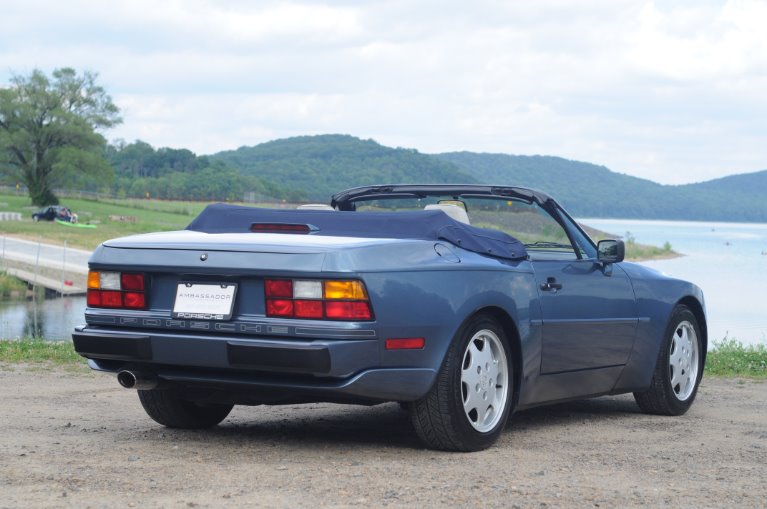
(672,91)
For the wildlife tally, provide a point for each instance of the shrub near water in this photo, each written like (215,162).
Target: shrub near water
(11,286)
(732,358)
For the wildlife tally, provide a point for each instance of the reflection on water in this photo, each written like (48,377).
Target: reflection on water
(52,319)
(727,260)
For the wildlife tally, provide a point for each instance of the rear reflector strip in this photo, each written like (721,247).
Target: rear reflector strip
(405,344)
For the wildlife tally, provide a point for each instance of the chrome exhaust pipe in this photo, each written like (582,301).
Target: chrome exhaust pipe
(137,380)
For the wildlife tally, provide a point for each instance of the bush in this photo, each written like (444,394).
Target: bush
(730,357)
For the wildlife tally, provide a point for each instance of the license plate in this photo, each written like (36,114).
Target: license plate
(204,301)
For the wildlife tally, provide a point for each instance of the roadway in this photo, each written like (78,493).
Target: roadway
(59,268)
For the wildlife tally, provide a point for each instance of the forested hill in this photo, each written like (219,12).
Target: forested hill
(584,189)
(314,167)
(322,165)
(587,190)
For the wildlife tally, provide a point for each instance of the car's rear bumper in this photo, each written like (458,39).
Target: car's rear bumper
(318,367)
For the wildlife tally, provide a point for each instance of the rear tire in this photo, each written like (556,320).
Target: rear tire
(679,367)
(167,407)
(469,403)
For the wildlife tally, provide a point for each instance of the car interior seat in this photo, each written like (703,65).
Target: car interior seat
(314,206)
(454,211)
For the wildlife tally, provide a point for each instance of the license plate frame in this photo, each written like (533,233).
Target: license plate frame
(204,301)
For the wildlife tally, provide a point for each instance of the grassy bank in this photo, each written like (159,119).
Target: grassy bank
(729,358)
(11,287)
(38,351)
(115,218)
(635,251)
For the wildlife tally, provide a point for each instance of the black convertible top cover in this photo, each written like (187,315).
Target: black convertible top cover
(424,225)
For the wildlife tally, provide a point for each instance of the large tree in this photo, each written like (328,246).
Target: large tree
(49,130)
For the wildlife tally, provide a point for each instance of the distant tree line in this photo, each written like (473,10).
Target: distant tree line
(142,171)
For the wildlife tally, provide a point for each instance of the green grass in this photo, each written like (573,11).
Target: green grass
(636,251)
(640,252)
(731,358)
(150,216)
(11,287)
(37,351)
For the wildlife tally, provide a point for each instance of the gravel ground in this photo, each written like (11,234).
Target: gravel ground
(77,439)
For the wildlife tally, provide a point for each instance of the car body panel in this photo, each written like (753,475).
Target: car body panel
(591,321)
(599,334)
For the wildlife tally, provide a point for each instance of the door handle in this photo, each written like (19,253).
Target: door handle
(551,284)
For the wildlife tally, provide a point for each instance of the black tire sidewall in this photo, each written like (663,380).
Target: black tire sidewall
(475,440)
(166,406)
(680,314)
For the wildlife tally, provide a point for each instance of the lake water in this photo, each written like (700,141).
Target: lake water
(52,319)
(725,259)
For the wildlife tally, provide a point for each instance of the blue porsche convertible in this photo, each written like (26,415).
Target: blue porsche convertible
(464,303)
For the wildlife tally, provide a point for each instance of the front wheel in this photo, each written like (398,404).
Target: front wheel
(467,408)
(678,369)
(167,407)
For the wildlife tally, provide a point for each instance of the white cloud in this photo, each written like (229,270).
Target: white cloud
(672,92)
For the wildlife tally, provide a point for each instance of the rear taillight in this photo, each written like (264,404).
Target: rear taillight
(117,290)
(317,299)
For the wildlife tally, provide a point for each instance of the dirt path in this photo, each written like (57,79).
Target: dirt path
(79,440)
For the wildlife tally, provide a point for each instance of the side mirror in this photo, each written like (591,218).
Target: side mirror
(611,251)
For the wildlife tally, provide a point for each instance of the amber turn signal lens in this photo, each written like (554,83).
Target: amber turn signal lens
(352,290)
(93,279)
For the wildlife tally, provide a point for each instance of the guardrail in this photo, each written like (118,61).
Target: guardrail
(54,272)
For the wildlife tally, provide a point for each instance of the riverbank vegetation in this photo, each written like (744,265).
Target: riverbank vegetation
(637,252)
(729,358)
(11,287)
(634,251)
(732,358)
